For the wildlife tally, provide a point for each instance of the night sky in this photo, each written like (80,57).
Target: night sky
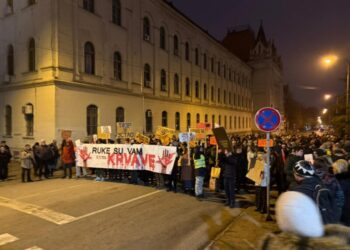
(303,31)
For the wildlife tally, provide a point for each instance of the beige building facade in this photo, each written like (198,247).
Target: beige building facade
(79,64)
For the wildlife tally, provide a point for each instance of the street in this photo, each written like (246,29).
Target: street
(84,214)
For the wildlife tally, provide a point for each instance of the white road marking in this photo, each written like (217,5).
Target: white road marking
(47,192)
(56,217)
(43,213)
(117,205)
(7,238)
(34,248)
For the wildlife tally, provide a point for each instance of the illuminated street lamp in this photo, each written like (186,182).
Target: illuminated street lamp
(327,97)
(330,60)
(324,111)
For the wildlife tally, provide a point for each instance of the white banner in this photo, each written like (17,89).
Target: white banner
(158,159)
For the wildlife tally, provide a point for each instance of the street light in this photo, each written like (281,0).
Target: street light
(324,111)
(327,97)
(330,60)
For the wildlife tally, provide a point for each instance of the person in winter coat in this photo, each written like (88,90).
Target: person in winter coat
(68,157)
(52,162)
(292,159)
(230,174)
(186,172)
(27,162)
(199,168)
(261,186)
(342,174)
(300,221)
(44,154)
(5,157)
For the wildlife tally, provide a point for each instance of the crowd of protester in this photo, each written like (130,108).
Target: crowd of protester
(316,166)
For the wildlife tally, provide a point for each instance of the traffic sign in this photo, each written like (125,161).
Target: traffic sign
(267,119)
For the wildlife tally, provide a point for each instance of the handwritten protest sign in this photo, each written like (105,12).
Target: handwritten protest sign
(186,137)
(164,134)
(200,133)
(140,138)
(124,130)
(158,159)
(104,132)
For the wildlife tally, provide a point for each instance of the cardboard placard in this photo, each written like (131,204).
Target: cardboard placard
(204,125)
(262,143)
(186,137)
(222,139)
(140,138)
(212,140)
(200,133)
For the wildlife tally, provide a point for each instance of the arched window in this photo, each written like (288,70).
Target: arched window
(31,55)
(212,93)
(177,121)
(234,99)
(149,121)
(162,37)
(165,119)
(176,84)
(220,120)
(117,66)
(187,51)
(224,71)
(176,45)
(146,29)
(219,96)
(29,119)
(205,96)
(198,118)
(89,5)
(197,89)
(235,122)
(219,68)
(10,61)
(116,12)
(205,61)
(243,122)
(212,64)
(239,122)
(206,118)
(188,120)
(224,97)
(9,7)
(147,76)
(8,120)
(91,119)
(230,122)
(196,56)
(120,114)
(229,98)
(213,121)
(188,87)
(163,84)
(89,58)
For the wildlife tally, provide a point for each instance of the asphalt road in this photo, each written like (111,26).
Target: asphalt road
(84,214)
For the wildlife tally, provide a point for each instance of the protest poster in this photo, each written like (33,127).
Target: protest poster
(104,132)
(65,134)
(158,159)
(254,173)
(164,134)
(262,143)
(124,130)
(186,137)
(222,139)
(200,133)
(204,125)
(212,140)
(140,138)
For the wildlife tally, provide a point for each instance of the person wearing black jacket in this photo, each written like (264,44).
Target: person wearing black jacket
(230,174)
(5,157)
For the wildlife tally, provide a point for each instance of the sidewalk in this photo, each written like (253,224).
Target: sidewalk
(245,232)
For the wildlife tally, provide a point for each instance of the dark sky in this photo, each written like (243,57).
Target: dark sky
(303,31)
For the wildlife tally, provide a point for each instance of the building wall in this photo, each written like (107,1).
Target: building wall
(60,30)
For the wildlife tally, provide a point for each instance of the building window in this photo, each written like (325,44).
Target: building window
(229,98)
(220,120)
(188,87)
(205,92)
(197,89)
(163,86)
(187,51)
(212,64)
(29,119)
(239,122)
(91,119)
(31,2)
(212,93)
(243,122)
(89,58)
(149,121)
(230,122)
(205,61)
(146,29)
(31,54)
(196,59)
(116,12)
(213,121)
(176,84)
(230,74)
(206,118)
(188,121)
(177,121)
(234,99)
(8,120)
(225,71)
(176,45)
(235,122)
(162,37)
(9,7)
(89,5)
(225,121)
(10,61)
(224,97)
(219,96)
(198,118)
(219,68)
(147,76)
(120,114)
(117,64)
(165,119)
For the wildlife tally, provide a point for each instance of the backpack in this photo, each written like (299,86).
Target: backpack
(326,203)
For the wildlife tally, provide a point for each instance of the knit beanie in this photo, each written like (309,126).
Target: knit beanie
(297,213)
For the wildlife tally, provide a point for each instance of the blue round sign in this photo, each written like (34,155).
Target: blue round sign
(267,119)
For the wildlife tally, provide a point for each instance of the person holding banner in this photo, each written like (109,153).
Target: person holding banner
(199,168)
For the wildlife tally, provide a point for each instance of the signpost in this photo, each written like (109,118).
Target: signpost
(268,120)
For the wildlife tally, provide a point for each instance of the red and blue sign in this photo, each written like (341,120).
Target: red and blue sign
(268,119)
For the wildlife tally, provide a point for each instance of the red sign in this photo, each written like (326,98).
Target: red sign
(212,140)
(268,119)
(204,125)
(262,143)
